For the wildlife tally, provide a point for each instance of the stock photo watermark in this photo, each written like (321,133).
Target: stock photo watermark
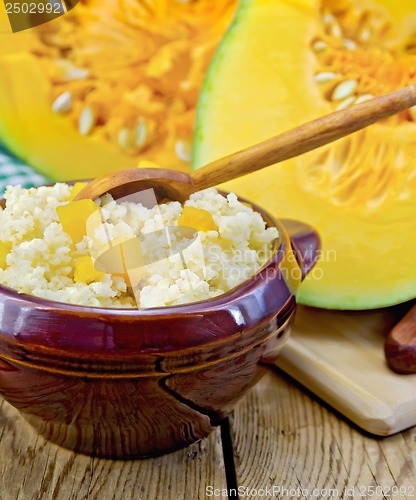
(24,14)
(277,491)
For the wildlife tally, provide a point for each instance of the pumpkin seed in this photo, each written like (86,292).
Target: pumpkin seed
(183,150)
(325,76)
(124,138)
(62,103)
(344,89)
(86,121)
(141,132)
(365,35)
(349,44)
(77,74)
(345,103)
(328,19)
(70,71)
(364,98)
(335,30)
(319,46)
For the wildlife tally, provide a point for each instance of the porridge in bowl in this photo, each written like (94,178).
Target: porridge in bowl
(125,255)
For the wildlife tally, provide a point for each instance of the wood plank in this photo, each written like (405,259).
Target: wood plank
(285,437)
(340,357)
(32,468)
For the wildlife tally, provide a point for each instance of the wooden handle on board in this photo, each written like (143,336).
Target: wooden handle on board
(305,138)
(400,346)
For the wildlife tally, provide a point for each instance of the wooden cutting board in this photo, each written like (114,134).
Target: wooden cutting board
(339,356)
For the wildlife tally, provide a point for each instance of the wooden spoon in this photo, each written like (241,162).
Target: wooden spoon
(179,186)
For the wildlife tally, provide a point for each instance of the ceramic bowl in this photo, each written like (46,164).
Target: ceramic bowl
(124,383)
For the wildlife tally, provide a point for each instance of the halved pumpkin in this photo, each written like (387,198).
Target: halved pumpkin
(284,62)
(107,84)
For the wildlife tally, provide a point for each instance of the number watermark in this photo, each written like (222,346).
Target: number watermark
(24,14)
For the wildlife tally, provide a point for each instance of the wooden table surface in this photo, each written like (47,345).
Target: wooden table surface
(280,442)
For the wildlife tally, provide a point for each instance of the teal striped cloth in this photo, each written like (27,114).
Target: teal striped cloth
(13,171)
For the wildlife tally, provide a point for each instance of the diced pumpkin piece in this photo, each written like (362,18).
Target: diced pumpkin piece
(76,188)
(198,218)
(73,217)
(5,247)
(85,271)
(121,258)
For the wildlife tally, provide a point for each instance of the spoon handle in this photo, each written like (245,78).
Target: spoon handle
(305,138)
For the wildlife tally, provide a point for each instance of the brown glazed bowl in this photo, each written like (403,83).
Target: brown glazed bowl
(121,383)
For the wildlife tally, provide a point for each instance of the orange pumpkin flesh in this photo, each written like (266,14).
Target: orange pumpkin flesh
(286,62)
(107,84)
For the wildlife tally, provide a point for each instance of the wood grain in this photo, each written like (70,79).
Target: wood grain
(339,356)
(33,469)
(283,436)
